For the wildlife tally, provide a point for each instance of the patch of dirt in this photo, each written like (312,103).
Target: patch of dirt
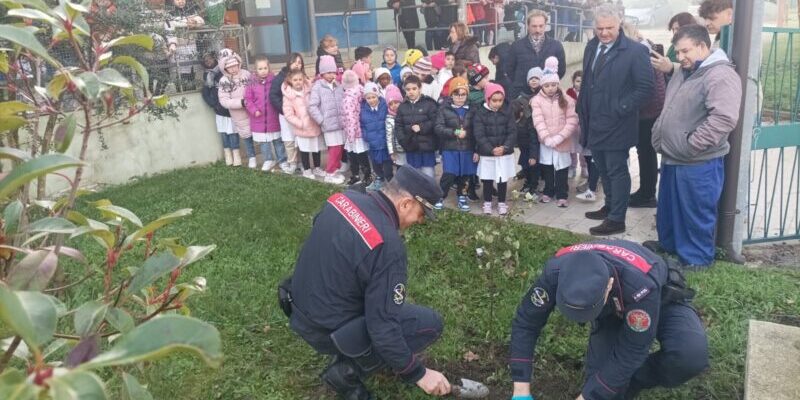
(784,254)
(784,319)
(552,379)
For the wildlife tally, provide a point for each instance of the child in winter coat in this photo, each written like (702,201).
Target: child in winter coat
(495,135)
(326,96)
(422,69)
(295,62)
(264,122)
(296,92)
(373,129)
(556,122)
(355,144)
(393,100)
(441,73)
(454,128)
(414,127)
(363,65)
(390,63)
(211,77)
(231,95)
(329,46)
(527,139)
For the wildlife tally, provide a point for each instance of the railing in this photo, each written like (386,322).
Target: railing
(774,196)
(558,16)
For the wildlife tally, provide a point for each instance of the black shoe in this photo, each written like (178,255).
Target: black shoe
(367,180)
(638,202)
(608,227)
(599,215)
(472,196)
(343,377)
(353,180)
(654,246)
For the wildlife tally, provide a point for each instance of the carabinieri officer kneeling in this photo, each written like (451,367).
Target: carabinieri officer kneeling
(348,292)
(631,297)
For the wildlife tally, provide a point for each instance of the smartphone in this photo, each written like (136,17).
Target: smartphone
(659,48)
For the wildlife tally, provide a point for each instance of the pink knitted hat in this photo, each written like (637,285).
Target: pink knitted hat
(327,64)
(550,71)
(349,79)
(361,70)
(437,60)
(492,88)
(393,94)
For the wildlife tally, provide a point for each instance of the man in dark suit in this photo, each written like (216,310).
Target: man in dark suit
(531,51)
(617,80)
(407,18)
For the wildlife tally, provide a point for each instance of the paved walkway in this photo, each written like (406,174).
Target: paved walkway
(641,222)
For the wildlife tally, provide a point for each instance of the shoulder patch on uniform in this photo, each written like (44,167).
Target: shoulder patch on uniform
(357,219)
(399,294)
(640,294)
(539,297)
(638,320)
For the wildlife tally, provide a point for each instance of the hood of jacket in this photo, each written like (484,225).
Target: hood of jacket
(290,93)
(224,61)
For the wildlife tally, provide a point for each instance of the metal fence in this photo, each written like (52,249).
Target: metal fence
(774,197)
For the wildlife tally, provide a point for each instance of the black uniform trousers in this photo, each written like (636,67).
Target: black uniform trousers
(421,327)
(682,356)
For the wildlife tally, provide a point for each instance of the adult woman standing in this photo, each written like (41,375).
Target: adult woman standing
(463,46)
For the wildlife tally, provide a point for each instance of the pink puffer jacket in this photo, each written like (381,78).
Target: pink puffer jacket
(256,98)
(350,112)
(552,121)
(295,110)
(231,93)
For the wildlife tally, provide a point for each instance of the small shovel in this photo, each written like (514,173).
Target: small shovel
(469,389)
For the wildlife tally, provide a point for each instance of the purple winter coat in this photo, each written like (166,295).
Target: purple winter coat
(257,99)
(324,105)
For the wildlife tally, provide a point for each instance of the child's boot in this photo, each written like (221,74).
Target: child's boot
(237,158)
(228,157)
(251,163)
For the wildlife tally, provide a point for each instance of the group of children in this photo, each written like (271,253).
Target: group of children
(425,111)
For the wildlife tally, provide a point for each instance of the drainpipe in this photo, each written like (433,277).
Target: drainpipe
(746,54)
(312,19)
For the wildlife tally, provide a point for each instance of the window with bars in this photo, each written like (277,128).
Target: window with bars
(337,6)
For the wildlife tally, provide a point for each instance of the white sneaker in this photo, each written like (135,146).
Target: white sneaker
(309,174)
(587,196)
(344,168)
(319,172)
(268,166)
(335,179)
(286,168)
(251,163)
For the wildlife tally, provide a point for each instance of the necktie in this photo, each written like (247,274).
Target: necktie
(601,60)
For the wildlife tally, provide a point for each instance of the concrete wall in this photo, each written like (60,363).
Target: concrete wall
(148,147)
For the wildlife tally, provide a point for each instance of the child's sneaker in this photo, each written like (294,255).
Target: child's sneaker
(532,196)
(251,163)
(237,158)
(286,168)
(335,179)
(487,207)
(563,203)
(502,208)
(319,172)
(353,180)
(228,157)
(463,205)
(439,205)
(587,196)
(309,174)
(545,199)
(376,185)
(268,165)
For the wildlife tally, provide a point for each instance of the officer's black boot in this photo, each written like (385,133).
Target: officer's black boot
(342,375)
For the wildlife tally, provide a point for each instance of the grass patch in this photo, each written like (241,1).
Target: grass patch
(259,222)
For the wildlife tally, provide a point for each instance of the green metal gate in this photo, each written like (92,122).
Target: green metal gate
(773,211)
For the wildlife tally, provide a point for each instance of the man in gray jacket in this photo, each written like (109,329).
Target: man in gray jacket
(700,110)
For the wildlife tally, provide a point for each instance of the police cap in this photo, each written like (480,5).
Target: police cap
(582,282)
(419,185)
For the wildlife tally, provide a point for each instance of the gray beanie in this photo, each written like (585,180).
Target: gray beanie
(535,72)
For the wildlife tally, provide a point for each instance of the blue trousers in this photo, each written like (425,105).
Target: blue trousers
(686,218)
(683,352)
(613,167)
(280,151)
(230,140)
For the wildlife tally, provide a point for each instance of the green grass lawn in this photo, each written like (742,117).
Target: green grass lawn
(259,222)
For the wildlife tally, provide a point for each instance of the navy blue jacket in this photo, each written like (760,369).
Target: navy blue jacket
(354,264)
(275,92)
(211,95)
(494,129)
(446,124)
(373,124)
(521,58)
(422,113)
(638,274)
(609,102)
